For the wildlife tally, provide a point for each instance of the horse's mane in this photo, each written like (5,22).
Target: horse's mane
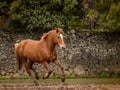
(45,35)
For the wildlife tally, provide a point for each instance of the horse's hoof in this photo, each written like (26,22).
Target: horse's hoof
(36,83)
(63,79)
(43,77)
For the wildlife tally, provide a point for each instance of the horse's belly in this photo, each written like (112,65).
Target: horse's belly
(31,55)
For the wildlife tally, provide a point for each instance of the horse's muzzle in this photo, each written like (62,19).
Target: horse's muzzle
(63,48)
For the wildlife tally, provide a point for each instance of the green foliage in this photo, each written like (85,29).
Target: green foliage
(84,76)
(104,74)
(104,5)
(4,78)
(75,22)
(4,8)
(69,5)
(27,15)
(92,14)
(111,19)
(45,14)
(71,76)
(108,14)
(23,77)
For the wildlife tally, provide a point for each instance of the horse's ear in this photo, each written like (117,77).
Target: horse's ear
(57,30)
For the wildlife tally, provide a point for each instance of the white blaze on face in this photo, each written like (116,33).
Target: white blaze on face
(61,35)
(61,43)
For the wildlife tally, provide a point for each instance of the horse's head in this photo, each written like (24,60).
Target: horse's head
(59,39)
(56,36)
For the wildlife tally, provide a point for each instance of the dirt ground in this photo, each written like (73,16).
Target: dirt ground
(91,86)
(56,84)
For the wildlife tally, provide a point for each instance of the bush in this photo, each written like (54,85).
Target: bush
(43,14)
(110,20)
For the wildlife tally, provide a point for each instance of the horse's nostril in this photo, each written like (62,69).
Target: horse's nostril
(63,48)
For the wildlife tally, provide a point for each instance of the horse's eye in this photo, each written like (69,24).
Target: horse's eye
(59,37)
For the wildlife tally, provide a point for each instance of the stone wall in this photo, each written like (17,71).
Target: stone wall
(86,53)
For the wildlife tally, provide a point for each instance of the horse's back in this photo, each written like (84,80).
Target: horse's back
(27,43)
(26,47)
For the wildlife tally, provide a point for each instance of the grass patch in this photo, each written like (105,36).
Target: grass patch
(23,77)
(19,77)
(103,74)
(70,76)
(4,78)
(84,76)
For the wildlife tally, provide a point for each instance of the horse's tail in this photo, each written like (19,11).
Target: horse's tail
(18,62)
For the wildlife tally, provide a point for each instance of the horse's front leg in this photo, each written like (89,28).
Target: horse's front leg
(46,65)
(57,62)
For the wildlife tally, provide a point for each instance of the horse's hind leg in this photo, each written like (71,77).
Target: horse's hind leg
(28,71)
(31,67)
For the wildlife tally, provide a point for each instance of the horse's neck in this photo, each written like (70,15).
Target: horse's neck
(50,45)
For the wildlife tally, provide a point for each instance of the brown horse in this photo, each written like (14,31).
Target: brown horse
(42,51)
